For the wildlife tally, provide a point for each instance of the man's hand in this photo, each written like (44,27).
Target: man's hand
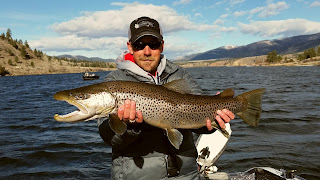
(222,117)
(128,112)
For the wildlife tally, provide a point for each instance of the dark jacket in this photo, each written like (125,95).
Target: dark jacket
(144,151)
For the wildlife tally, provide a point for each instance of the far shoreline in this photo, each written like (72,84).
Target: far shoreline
(258,61)
(248,62)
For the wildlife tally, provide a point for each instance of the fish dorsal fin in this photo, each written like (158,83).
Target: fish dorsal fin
(175,137)
(118,126)
(181,86)
(228,93)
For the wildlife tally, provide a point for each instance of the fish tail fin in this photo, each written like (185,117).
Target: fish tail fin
(251,115)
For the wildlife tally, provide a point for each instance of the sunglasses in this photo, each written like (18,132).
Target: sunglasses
(141,45)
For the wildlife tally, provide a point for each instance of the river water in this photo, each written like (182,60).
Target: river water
(35,146)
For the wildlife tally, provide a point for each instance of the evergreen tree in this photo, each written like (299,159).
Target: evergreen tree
(8,35)
(23,52)
(310,53)
(26,44)
(16,59)
(318,51)
(3,37)
(272,56)
(13,43)
(38,53)
(10,62)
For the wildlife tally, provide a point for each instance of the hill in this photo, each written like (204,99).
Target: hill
(287,60)
(79,57)
(288,45)
(17,58)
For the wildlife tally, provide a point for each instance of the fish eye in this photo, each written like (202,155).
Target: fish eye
(81,97)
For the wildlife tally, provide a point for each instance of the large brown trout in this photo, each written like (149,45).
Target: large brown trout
(169,107)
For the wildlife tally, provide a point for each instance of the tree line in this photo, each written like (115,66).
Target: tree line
(310,53)
(86,63)
(273,57)
(19,45)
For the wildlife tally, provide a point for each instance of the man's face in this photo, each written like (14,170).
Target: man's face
(146,52)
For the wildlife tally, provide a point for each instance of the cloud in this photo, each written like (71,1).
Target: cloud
(181,2)
(72,42)
(224,15)
(256,10)
(3,30)
(270,9)
(234,2)
(107,31)
(284,28)
(198,15)
(174,50)
(240,13)
(273,9)
(218,22)
(114,23)
(315,4)
(228,29)
(177,46)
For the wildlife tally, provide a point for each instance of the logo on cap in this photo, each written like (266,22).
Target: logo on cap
(143,23)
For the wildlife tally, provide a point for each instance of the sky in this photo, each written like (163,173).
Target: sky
(99,28)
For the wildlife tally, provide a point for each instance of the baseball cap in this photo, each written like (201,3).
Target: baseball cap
(144,26)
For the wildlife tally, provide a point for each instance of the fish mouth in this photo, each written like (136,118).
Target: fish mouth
(83,113)
(90,105)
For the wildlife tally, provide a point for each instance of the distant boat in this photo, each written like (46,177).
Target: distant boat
(88,76)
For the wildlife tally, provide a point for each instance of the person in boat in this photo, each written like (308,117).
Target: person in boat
(144,151)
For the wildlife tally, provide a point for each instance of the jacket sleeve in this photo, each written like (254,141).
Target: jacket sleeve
(181,73)
(110,77)
(115,140)
(192,83)
(107,134)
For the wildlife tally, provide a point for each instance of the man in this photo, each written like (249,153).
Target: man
(144,151)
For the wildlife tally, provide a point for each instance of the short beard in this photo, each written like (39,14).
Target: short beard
(147,61)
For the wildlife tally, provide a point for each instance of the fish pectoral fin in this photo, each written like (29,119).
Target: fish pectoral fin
(118,126)
(175,137)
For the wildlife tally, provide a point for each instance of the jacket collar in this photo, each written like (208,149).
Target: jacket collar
(132,67)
